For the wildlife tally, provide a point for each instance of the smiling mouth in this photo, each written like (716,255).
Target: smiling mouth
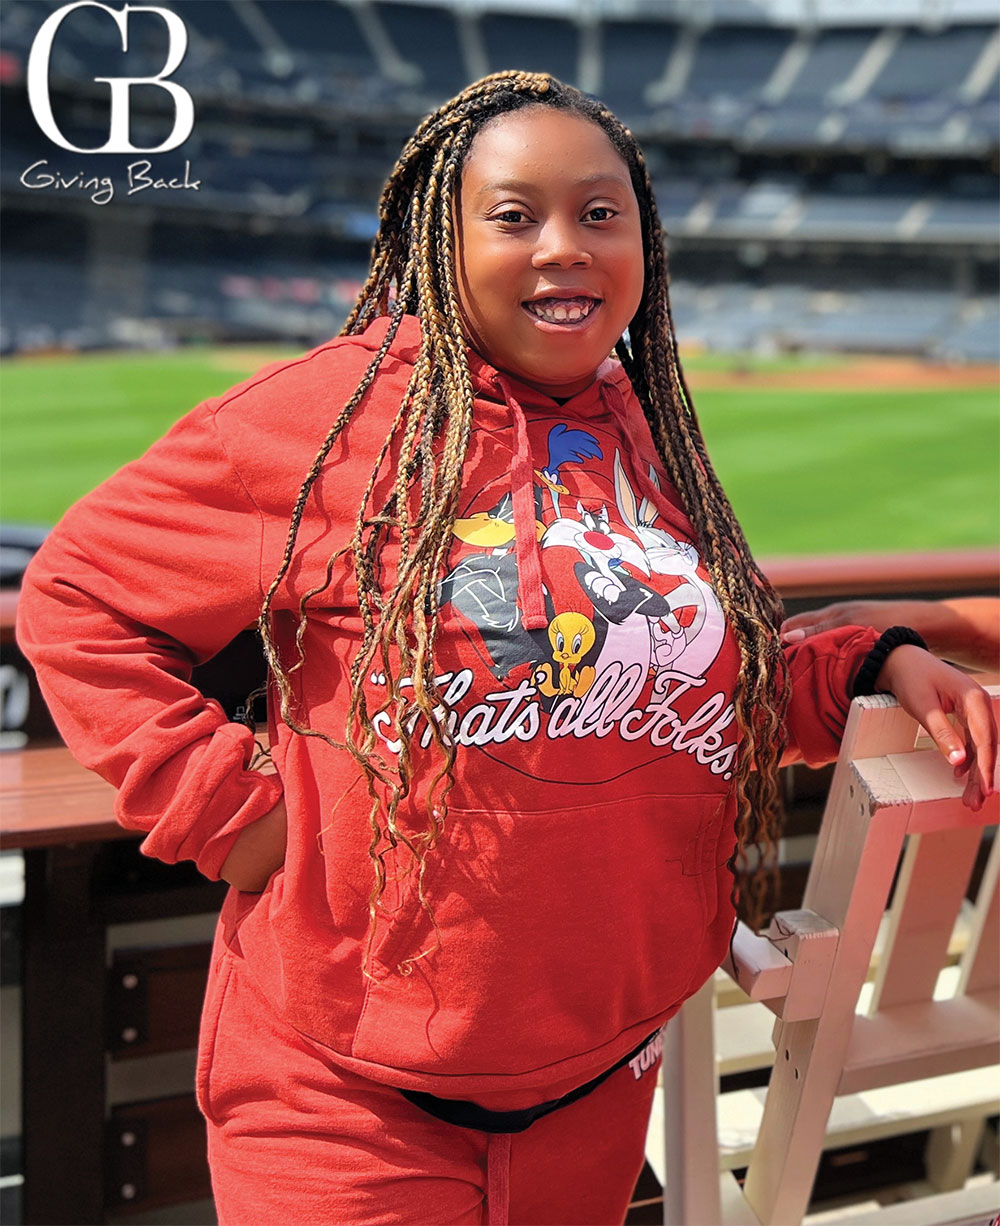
(562,310)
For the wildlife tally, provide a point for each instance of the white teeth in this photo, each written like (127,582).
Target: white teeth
(554,312)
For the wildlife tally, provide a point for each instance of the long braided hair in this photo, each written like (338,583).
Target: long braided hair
(413,272)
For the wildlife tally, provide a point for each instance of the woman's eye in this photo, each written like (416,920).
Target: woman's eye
(511,217)
(600,212)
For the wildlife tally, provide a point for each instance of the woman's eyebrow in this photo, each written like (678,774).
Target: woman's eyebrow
(521,185)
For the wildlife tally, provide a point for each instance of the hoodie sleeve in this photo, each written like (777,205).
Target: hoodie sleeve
(152,573)
(822,669)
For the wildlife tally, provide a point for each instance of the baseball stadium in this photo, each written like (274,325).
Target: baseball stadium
(828,177)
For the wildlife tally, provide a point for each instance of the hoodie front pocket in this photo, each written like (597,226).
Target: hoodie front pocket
(402,925)
(556,933)
(220,977)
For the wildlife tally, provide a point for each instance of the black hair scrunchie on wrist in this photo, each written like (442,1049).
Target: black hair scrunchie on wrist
(895,636)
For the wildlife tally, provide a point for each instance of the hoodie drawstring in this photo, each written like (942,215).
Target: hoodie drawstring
(497,1178)
(530,593)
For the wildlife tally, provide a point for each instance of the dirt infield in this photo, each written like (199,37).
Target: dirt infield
(910,374)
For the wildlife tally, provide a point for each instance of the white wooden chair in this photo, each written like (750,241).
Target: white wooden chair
(893,804)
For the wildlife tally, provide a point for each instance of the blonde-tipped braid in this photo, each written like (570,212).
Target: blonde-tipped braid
(413,271)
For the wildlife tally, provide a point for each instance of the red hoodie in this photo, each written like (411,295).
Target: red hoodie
(580,885)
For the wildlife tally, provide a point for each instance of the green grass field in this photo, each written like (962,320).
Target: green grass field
(858,470)
(809,469)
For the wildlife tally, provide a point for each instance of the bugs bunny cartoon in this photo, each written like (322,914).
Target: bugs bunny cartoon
(693,645)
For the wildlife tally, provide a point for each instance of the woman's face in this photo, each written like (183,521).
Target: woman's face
(549,248)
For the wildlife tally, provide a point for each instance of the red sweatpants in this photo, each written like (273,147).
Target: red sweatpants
(293,1139)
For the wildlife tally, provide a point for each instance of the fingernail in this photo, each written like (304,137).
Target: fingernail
(793,636)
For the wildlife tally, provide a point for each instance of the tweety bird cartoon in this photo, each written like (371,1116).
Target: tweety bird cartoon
(572,635)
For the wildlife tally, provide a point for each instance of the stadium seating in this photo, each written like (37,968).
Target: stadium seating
(429,38)
(831,138)
(878,321)
(635,56)
(328,30)
(735,61)
(538,44)
(973,338)
(832,57)
(926,64)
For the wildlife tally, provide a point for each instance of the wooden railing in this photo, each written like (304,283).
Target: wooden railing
(958,572)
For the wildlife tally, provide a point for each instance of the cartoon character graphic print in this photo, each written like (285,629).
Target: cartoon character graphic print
(632,654)
(621,590)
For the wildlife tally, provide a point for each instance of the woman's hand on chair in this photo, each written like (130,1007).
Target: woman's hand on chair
(930,691)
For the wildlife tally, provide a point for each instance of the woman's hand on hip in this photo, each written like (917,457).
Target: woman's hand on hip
(259,851)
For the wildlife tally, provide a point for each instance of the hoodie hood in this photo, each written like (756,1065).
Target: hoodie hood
(488,382)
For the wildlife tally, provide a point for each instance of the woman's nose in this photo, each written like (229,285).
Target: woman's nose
(561,245)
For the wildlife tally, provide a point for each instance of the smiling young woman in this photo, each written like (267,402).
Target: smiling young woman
(550,259)
(527,698)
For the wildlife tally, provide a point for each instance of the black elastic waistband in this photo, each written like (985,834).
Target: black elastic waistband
(471,1115)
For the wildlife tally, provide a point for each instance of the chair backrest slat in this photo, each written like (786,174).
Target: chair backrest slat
(929,891)
(980,965)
